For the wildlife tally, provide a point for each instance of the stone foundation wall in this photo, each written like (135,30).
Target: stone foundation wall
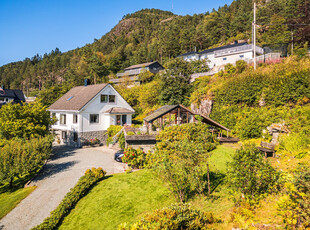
(81,137)
(101,135)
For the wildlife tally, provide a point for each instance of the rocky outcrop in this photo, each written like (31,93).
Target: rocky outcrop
(204,108)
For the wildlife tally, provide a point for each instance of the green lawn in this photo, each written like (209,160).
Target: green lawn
(126,197)
(10,197)
(220,156)
(9,200)
(117,199)
(219,203)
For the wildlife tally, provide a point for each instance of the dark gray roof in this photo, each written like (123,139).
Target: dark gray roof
(223,47)
(16,94)
(160,112)
(209,121)
(77,97)
(140,65)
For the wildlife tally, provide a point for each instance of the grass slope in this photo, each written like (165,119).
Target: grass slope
(9,200)
(117,199)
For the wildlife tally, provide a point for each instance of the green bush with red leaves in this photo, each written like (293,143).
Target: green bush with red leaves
(135,158)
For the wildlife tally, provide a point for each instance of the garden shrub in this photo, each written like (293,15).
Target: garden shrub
(294,206)
(112,131)
(294,143)
(249,122)
(135,158)
(178,157)
(177,216)
(85,183)
(20,157)
(250,176)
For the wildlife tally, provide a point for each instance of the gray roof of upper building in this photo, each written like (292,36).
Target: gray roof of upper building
(77,97)
(223,47)
(140,65)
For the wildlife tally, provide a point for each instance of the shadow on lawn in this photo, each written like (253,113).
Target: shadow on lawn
(18,183)
(216,179)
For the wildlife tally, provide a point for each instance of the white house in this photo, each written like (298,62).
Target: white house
(224,55)
(86,112)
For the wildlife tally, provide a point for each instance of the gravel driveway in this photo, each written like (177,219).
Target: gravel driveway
(60,174)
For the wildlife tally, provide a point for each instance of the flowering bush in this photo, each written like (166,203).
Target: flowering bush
(134,157)
(92,141)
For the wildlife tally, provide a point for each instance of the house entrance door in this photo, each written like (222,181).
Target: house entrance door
(124,119)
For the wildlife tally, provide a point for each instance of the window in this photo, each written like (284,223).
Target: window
(62,119)
(111,98)
(64,135)
(107,98)
(94,118)
(224,59)
(104,98)
(75,118)
(124,119)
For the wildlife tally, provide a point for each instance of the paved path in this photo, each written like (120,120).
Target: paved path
(60,174)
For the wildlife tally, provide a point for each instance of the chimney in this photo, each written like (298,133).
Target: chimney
(86,82)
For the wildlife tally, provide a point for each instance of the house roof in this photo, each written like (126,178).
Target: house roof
(16,94)
(223,47)
(77,97)
(117,110)
(140,65)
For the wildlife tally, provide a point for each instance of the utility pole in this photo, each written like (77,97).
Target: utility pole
(292,39)
(254,36)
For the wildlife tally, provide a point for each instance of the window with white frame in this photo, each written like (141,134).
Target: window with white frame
(63,119)
(104,98)
(93,118)
(75,118)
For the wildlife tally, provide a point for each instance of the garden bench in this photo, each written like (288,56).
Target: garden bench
(266,148)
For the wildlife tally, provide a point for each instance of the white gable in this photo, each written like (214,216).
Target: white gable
(95,105)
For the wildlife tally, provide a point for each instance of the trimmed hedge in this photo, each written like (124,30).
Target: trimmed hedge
(91,177)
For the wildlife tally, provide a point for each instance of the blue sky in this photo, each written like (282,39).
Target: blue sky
(28,27)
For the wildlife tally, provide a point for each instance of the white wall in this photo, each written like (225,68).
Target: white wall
(69,121)
(219,61)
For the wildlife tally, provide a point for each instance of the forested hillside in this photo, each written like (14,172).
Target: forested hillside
(152,34)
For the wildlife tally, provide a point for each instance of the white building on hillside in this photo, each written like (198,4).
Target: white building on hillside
(86,112)
(224,55)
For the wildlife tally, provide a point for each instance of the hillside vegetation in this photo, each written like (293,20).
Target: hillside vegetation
(152,34)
